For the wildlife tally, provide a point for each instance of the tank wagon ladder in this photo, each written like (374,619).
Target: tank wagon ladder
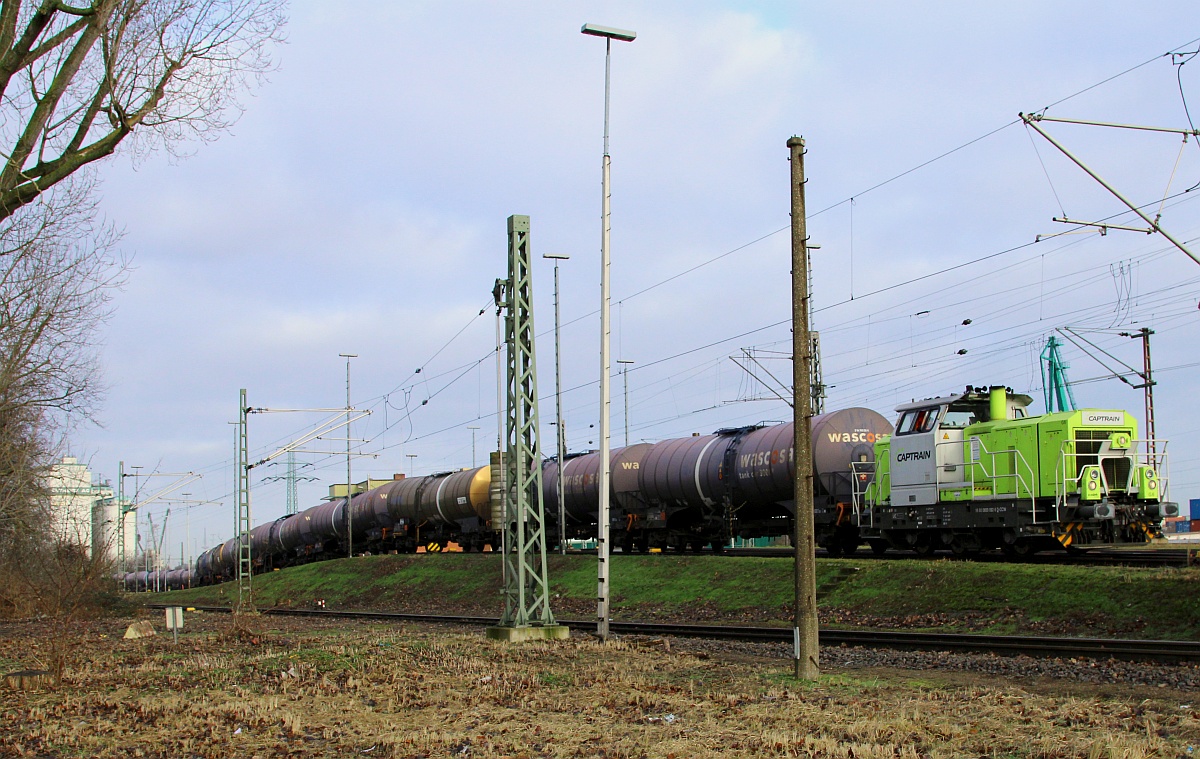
(863,488)
(728,475)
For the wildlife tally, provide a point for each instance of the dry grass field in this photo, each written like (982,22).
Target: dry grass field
(272,687)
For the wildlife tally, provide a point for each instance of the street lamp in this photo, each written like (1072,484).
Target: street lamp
(349,518)
(602,602)
(411,463)
(625,376)
(562,441)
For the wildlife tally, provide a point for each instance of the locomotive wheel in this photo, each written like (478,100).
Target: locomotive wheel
(923,546)
(879,547)
(1019,548)
(960,547)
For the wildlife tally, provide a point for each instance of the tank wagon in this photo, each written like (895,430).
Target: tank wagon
(159,579)
(701,490)
(677,494)
(430,511)
(975,470)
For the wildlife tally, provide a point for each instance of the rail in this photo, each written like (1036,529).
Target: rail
(1161,651)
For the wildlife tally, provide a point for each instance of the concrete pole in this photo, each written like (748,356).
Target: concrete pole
(625,377)
(602,517)
(562,433)
(562,486)
(349,518)
(602,536)
(805,631)
(501,420)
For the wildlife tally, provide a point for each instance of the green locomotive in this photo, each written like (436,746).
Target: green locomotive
(975,470)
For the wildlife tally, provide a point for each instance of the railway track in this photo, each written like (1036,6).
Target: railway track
(1135,557)
(1166,557)
(1155,651)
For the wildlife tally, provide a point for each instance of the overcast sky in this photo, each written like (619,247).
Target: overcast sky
(359,206)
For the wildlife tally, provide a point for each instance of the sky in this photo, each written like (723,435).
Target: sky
(359,206)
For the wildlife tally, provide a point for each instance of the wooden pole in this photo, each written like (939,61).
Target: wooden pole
(805,631)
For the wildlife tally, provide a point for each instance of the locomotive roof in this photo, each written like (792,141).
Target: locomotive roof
(976,396)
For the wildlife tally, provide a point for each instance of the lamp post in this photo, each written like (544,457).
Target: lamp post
(137,494)
(187,532)
(473,429)
(602,601)
(625,376)
(411,463)
(349,488)
(562,440)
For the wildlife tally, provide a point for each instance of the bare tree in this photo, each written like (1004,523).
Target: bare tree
(78,80)
(57,276)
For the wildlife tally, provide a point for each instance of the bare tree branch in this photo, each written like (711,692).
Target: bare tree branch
(164,71)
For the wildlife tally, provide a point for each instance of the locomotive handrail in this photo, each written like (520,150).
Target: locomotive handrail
(1018,459)
(1161,463)
(1068,452)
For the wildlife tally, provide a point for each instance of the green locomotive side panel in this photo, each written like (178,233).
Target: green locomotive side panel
(882,483)
(1055,431)
(1041,456)
(1005,459)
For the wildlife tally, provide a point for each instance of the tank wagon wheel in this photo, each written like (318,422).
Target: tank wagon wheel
(850,545)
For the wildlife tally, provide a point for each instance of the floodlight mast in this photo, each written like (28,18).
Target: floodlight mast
(596,30)
(602,521)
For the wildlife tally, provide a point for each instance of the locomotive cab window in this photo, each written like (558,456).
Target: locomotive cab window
(918,420)
(965,414)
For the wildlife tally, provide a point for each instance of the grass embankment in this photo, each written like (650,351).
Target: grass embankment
(909,594)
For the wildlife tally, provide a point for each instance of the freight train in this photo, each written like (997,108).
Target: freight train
(962,472)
